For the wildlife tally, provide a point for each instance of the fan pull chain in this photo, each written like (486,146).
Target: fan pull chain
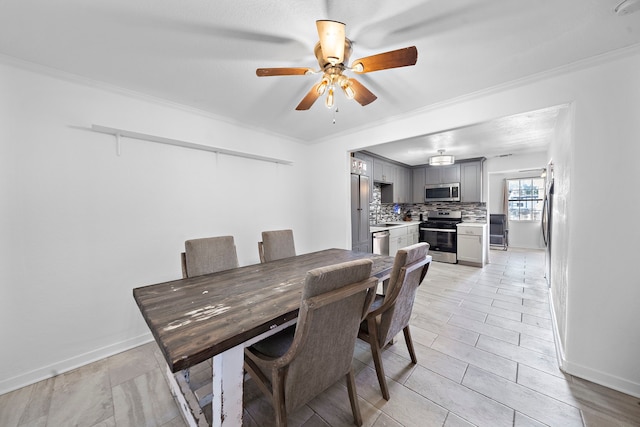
(334,115)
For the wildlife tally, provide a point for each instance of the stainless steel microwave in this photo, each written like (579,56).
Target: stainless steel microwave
(442,192)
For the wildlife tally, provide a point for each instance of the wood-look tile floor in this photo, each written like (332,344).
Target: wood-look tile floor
(486,357)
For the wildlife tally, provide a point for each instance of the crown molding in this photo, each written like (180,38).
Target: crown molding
(579,65)
(118,90)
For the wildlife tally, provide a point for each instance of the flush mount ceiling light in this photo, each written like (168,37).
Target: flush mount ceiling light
(333,52)
(441,159)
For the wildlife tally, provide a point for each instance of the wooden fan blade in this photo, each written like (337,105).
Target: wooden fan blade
(309,98)
(266,72)
(383,61)
(363,95)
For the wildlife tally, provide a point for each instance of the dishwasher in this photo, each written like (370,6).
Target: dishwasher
(381,242)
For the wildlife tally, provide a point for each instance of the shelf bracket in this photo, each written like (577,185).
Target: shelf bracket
(118,146)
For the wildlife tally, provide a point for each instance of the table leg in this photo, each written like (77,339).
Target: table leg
(228,379)
(192,414)
(228,376)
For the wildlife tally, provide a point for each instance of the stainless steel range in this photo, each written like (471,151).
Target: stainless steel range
(439,231)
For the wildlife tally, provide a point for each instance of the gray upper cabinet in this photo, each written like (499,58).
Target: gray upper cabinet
(367,159)
(377,170)
(383,171)
(402,185)
(442,174)
(471,181)
(408,183)
(390,173)
(419,181)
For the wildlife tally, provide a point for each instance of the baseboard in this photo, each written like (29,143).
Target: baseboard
(556,334)
(602,378)
(28,378)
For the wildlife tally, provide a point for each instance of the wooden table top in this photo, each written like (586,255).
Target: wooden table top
(194,319)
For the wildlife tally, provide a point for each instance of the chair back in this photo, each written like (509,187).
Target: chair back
(209,255)
(498,230)
(409,269)
(335,299)
(497,224)
(276,244)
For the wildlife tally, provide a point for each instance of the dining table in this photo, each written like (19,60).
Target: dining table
(215,316)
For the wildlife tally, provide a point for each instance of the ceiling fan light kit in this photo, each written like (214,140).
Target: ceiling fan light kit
(332,40)
(332,52)
(441,159)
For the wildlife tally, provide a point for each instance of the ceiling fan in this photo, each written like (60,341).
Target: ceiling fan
(333,52)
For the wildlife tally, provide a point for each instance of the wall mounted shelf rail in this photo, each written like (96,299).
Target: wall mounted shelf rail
(118,133)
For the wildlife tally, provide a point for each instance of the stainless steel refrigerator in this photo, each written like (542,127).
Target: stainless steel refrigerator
(360,235)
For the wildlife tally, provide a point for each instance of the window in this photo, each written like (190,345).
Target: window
(525,199)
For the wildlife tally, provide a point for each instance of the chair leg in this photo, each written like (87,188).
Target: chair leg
(353,398)
(258,377)
(409,341)
(376,352)
(278,398)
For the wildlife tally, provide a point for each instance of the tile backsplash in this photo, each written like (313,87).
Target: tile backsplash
(388,212)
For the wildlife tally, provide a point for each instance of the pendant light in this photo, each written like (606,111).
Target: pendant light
(441,159)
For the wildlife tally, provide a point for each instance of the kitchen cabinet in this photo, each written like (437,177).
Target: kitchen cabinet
(383,171)
(401,235)
(471,181)
(369,160)
(402,185)
(369,169)
(394,179)
(386,193)
(360,190)
(413,233)
(398,239)
(471,243)
(442,174)
(419,179)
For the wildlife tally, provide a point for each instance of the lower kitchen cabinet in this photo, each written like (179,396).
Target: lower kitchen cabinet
(402,236)
(413,234)
(471,244)
(398,239)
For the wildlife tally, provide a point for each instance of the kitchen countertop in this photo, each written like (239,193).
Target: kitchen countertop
(471,224)
(397,224)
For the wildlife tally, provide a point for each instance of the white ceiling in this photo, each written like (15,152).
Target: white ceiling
(524,133)
(204,54)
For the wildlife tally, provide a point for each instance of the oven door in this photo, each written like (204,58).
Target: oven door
(439,239)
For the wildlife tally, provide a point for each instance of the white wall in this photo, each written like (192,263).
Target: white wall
(81,227)
(560,243)
(602,339)
(598,269)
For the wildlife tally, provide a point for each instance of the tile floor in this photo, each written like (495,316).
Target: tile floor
(486,357)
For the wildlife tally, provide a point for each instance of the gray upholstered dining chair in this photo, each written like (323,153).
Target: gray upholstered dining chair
(205,256)
(295,365)
(390,313)
(276,244)
(208,255)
